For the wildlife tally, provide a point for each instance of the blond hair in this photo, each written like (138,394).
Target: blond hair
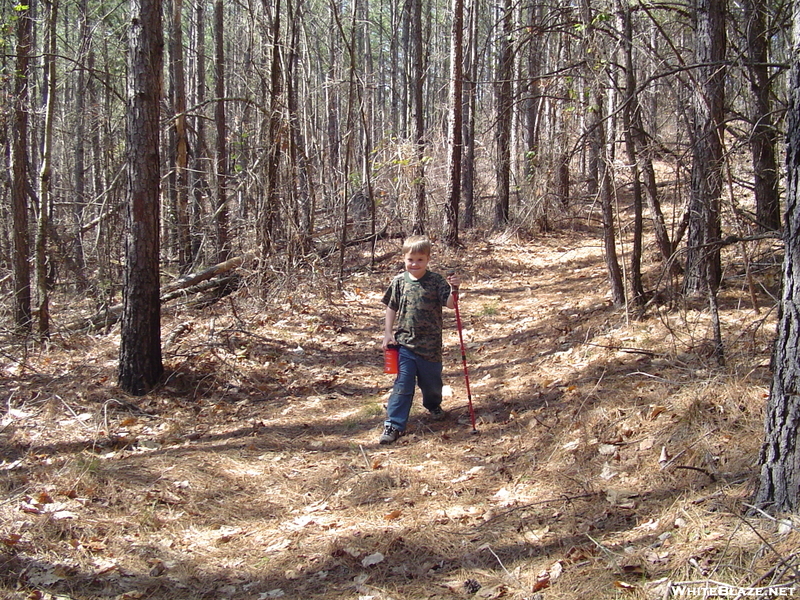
(417,244)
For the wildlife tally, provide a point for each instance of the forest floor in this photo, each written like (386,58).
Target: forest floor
(613,457)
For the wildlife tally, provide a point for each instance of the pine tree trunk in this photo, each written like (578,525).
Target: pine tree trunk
(79,201)
(45,173)
(418,77)
(140,365)
(629,108)
(200,185)
(762,140)
(468,119)
(708,107)
(20,181)
(502,212)
(779,482)
(454,129)
(221,208)
(177,71)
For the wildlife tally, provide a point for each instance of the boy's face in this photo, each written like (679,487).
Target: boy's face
(416,264)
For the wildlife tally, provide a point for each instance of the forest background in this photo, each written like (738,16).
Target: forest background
(293,143)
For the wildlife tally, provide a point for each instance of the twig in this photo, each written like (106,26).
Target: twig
(609,554)
(679,454)
(74,414)
(500,562)
(366,460)
(663,380)
(710,475)
(624,349)
(766,543)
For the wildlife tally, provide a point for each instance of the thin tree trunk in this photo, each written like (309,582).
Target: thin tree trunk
(504,96)
(455,125)
(468,116)
(763,138)
(418,79)
(631,105)
(200,185)
(45,172)
(221,209)
(183,238)
(20,182)
(79,201)
(704,206)
(607,205)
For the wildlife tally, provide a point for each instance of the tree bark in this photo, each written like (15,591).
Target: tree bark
(45,173)
(418,79)
(200,186)
(469,71)
(779,481)
(20,182)
(454,129)
(81,91)
(504,93)
(140,365)
(221,208)
(629,108)
(268,217)
(607,205)
(708,107)
(179,136)
(763,137)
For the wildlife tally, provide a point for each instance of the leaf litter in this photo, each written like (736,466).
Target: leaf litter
(254,471)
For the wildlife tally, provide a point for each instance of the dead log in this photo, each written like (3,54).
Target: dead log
(383,234)
(195,278)
(188,284)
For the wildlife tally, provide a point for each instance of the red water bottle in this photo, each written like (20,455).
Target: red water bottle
(391,359)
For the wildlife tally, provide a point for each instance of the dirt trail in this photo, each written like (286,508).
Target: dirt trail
(610,453)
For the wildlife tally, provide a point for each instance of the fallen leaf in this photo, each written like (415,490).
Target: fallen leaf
(43,498)
(607,449)
(542,581)
(61,515)
(556,570)
(664,458)
(624,586)
(11,540)
(395,514)
(373,559)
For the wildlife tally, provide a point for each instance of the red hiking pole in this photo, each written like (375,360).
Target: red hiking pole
(464,360)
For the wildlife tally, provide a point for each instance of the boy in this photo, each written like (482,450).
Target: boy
(414,304)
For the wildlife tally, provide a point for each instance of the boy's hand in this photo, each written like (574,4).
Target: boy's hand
(388,340)
(454,280)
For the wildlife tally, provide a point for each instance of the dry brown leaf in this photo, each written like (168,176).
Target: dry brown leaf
(624,586)
(395,514)
(43,498)
(11,540)
(542,581)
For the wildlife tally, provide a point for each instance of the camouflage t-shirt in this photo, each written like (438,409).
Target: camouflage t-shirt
(419,302)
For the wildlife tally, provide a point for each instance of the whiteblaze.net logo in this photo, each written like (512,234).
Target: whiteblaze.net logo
(730,591)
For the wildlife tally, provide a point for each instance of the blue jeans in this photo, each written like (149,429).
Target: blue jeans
(413,371)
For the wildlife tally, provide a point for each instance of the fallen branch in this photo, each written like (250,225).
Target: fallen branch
(188,284)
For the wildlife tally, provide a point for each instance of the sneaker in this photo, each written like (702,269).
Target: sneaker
(389,435)
(437,414)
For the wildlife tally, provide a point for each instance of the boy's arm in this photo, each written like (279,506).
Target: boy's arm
(388,333)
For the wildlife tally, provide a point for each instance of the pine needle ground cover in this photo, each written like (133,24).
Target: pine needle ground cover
(615,458)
